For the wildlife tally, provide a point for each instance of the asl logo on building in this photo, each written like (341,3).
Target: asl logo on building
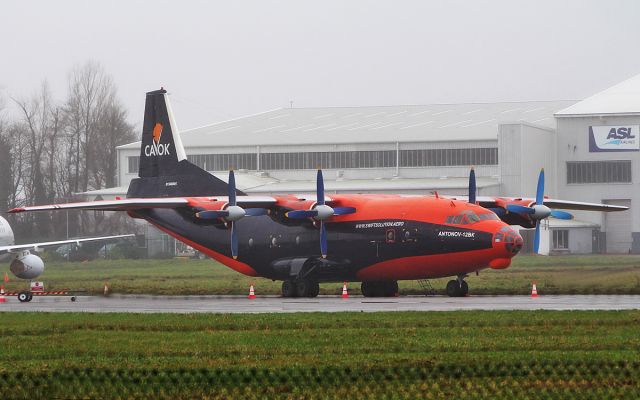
(156,148)
(613,138)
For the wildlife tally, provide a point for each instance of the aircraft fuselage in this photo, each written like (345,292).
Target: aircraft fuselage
(390,237)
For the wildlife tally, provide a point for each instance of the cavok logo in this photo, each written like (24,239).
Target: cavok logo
(613,138)
(156,148)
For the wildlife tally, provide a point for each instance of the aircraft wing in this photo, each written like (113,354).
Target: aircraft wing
(492,202)
(137,204)
(33,246)
(578,205)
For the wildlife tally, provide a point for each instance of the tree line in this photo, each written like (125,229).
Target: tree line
(52,151)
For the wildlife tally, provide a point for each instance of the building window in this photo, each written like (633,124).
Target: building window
(134,164)
(618,171)
(224,162)
(328,160)
(561,239)
(449,157)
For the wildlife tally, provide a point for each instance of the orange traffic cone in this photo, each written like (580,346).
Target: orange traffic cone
(2,298)
(252,293)
(106,289)
(345,294)
(534,290)
(6,277)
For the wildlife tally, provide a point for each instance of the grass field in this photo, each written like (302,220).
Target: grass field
(462,355)
(554,275)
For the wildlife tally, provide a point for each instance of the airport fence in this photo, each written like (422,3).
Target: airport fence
(496,380)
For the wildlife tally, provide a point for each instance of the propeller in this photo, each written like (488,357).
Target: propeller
(472,186)
(538,211)
(232,213)
(320,212)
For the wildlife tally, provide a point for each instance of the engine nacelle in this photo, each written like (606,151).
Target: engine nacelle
(27,266)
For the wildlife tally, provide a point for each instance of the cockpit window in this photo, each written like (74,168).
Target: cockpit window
(468,217)
(488,216)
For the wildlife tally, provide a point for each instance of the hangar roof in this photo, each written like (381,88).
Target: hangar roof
(621,99)
(373,124)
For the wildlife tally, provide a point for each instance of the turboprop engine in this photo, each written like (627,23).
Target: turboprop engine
(27,266)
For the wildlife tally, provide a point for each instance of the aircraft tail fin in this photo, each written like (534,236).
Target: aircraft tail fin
(164,170)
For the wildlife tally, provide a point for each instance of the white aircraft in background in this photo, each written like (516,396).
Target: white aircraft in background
(24,264)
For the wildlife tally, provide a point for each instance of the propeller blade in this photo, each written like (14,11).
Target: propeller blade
(472,186)
(536,238)
(255,212)
(540,189)
(301,214)
(234,240)
(499,211)
(232,188)
(518,209)
(561,214)
(323,240)
(343,210)
(320,188)
(212,214)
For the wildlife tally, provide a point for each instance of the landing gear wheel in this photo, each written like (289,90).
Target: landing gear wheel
(464,288)
(391,289)
(288,289)
(307,288)
(314,290)
(367,289)
(453,288)
(24,297)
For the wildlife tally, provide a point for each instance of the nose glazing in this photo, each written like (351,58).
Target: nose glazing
(511,239)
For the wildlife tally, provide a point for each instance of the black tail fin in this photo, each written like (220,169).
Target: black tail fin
(164,170)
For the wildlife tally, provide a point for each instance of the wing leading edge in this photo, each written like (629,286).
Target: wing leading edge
(491,202)
(137,204)
(33,246)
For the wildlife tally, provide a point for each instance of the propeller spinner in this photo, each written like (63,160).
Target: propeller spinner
(538,211)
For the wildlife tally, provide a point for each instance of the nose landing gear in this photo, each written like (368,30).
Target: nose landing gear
(457,287)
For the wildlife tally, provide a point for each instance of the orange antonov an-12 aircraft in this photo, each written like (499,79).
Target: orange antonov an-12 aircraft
(376,239)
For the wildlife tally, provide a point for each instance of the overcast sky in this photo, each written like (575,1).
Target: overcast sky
(221,60)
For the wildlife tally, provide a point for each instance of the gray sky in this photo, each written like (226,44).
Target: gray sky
(226,59)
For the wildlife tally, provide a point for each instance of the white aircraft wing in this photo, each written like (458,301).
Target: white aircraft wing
(33,246)
(137,204)
(579,205)
(110,205)
(491,202)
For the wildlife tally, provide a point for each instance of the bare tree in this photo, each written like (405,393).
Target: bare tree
(90,89)
(112,130)
(38,123)
(6,173)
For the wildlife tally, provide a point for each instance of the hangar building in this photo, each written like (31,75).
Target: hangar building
(424,148)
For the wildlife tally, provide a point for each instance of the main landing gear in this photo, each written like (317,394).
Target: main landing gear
(457,287)
(379,289)
(300,288)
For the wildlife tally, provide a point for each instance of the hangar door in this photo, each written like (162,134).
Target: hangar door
(618,228)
